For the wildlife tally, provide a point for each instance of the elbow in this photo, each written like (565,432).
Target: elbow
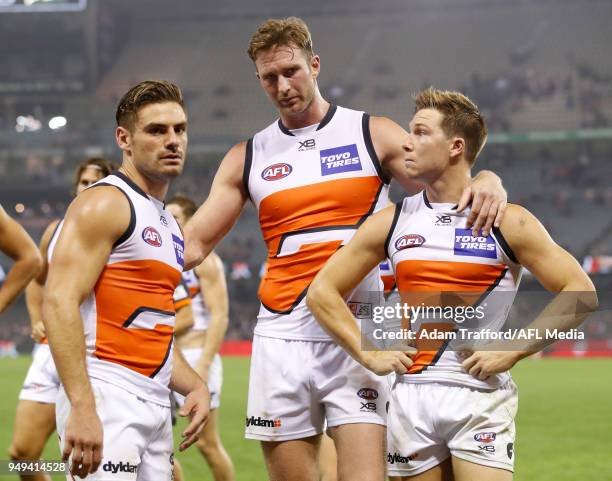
(314,296)
(588,296)
(34,262)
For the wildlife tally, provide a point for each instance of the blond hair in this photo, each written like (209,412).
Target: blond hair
(461,117)
(290,31)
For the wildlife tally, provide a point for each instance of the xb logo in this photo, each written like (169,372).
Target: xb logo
(443,219)
(307,144)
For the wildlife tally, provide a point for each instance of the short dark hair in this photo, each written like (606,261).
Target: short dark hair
(104,166)
(145,93)
(187,204)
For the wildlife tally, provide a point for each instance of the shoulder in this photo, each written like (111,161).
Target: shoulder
(383,128)
(378,225)
(101,209)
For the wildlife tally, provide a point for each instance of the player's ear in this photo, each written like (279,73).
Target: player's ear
(457,147)
(315,65)
(123,137)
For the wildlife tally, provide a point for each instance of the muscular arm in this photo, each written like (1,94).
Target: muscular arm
(17,244)
(34,291)
(219,212)
(557,271)
(94,221)
(340,275)
(486,193)
(214,293)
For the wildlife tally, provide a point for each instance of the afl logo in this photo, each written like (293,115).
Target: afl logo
(410,240)
(276,172)
(485,437)
(152,237)
(367,393)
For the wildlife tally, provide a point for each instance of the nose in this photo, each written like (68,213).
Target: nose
(172,140)
(408,145)
(283,85)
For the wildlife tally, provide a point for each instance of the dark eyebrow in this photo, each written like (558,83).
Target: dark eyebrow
(155,125)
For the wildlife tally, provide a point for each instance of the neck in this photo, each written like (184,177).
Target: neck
(313,114)
(449,186)
(156,188)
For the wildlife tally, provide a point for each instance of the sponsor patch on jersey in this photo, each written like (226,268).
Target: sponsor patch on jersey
(468,245)
(152,237)
(276,172)
(340,159)
(488,437)
(179,249)
(367,393)
(409,240)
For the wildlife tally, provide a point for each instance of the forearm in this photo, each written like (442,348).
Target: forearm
(183,379)
(17,279)
(34,301)
(333,314)
(566,311)
(214,338)
(64,327)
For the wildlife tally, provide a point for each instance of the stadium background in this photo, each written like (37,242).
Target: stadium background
(540,71)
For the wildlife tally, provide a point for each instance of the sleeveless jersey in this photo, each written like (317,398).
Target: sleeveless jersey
(312,190)
(201,315)
(181,296)
(437,262)
(129,316)
(387,277)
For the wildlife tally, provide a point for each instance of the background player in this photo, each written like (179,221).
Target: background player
(35,414)
(314,176)
(108,305)
(17,244)
(201,343)
(450,417)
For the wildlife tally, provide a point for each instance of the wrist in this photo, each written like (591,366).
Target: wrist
(84,402)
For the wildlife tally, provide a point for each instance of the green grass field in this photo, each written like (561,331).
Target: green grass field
(564,424)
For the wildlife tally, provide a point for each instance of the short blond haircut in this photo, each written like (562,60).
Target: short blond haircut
(461,117)
(290,31)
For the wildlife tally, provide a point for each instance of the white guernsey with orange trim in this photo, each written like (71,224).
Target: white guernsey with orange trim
(312,187)
(128,321)
(129,317)
(438,263)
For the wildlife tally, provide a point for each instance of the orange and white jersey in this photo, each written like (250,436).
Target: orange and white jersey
(312,187)
(387,277)
(181,296)
(438,263)
(201,315)
(129,316)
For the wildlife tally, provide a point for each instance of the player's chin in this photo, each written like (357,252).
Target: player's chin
(171,172)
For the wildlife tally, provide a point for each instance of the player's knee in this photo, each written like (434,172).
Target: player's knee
(18,452)
(209,448)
